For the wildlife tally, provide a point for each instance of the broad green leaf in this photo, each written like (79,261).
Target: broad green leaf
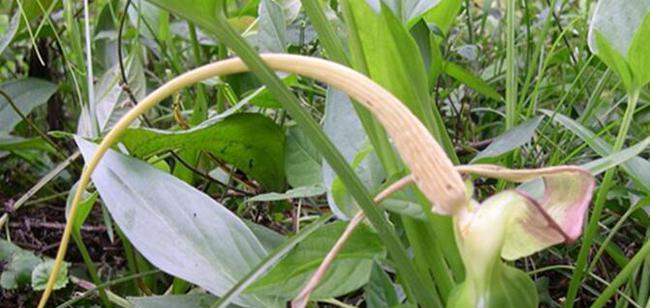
(379,291)
(18,265)
(510,140)
(350,270)
(105,37)
(178,301)
(176,227)
(27,94)
(302,160)
(272,28)
(636,167)
(295,193)
(10,31)
(249,141)
(619,33)
(42,272)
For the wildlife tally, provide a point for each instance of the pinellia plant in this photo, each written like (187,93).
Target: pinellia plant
(441,230)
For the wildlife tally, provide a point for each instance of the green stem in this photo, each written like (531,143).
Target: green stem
(644,287)
(228,36)
(200,109)
(599,204)
(511,70)
(90,266)
(635,262)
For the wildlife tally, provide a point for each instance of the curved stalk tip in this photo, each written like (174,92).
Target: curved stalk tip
(431,169)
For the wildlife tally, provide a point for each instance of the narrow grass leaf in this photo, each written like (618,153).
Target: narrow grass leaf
(635,167)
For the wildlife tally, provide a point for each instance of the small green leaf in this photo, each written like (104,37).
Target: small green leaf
(510,140)
(302,160)
(614,60)
(267,237)
(295,193)
(249,141)
(350,270)
(367,166)
(639,52)
(408,11)
(619,33)
(42,272)
(261,97)
(19,265)
(27,94)
(84,209)
(380,291)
